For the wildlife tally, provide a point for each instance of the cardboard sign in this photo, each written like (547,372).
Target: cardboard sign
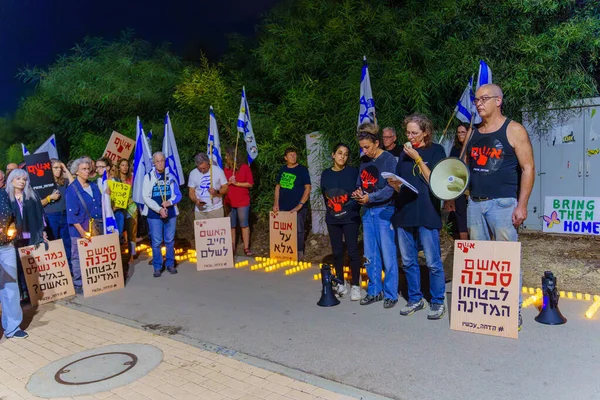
(119,193)
(101,267)
(119,146)
(213,243)
(283,236)
(486,288)
(47,272)
(576,215)
(40,173)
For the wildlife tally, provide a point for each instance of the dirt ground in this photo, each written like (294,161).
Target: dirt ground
(574,260)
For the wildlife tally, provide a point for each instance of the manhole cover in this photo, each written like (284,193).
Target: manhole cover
(95,371)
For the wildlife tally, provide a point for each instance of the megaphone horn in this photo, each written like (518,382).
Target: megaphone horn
(449,178)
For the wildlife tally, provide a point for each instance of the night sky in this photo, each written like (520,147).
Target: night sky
(35,32)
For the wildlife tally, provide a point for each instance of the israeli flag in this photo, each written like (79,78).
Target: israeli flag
(142,162)
(367,104)
(110,223)
(465,109)
(49,146)
(173,163)
(485,75)
(25,151)
(244,126)
(213,139)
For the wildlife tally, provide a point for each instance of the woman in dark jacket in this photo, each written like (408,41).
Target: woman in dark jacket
(29,217)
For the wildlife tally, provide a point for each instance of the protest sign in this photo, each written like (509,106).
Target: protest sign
(213,243)
(283,236)
(100,262)
(575,215)
(46,272)
(119,193)
(40,173)
(119,146)
(486,288)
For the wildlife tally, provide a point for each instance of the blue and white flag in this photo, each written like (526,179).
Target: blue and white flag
(142,162)
(173,163)
(110,223)
(367,104)
(49,146)
(465,109)
(213,139)
(244,126)
(485,74)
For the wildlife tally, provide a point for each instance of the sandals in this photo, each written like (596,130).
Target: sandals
(248,252)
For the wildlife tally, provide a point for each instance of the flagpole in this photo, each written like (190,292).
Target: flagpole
(211,169)
(237,139)
(446,128)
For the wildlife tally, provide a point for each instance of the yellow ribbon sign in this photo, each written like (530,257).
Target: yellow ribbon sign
(119,193)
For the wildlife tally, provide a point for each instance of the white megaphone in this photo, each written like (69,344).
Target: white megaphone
(449,178)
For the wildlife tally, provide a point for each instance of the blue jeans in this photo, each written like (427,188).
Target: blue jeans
(408,241)
(12,315)
(162,230)
(379,243)
(120,219)
(240,213)
(76,267)
(60,230)
(496,216)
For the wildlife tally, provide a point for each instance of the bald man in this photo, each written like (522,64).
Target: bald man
(497,149)
(10,167)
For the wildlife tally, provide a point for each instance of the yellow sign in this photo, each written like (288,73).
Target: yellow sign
(119,193)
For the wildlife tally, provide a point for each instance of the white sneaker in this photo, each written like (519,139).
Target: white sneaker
(355,293)
(342,290)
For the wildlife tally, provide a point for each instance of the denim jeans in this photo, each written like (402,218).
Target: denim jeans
(75,263)
(12,315)
(162,230)
(496,216)
(120,219)
(60,230)
(379,244)
(408,241)
(241,214)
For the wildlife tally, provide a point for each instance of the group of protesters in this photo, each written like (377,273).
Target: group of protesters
(391,210)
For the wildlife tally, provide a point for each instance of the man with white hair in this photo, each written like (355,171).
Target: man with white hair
(161,194)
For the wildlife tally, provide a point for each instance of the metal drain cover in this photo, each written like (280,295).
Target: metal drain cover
(95,371)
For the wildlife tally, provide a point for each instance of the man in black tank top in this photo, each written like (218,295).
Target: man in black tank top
(497,149)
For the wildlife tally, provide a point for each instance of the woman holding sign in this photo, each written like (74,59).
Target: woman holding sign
(84,213)
(376,197)
(342,218)
(29,217)
(417,218)
(124,175)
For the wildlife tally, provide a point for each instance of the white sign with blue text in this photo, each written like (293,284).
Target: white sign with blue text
(575,215)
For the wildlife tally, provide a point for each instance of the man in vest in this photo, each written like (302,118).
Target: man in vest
(497,150)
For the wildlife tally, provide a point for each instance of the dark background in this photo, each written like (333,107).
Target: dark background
(36,32)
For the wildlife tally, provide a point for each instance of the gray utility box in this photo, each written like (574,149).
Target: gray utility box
(567,156)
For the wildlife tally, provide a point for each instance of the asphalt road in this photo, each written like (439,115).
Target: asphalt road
(275,318)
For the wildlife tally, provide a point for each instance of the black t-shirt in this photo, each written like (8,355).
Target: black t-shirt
(292,182)
(337,188)
(421,209)
(396,151)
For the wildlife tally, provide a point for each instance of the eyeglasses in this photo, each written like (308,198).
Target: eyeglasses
(100,166)
(483,99)
(387,137)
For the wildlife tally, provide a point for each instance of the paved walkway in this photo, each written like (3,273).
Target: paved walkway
(186,372)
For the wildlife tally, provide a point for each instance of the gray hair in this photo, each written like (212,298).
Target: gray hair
(391,129)
(158,153)
(78,162)
(28,191)
(201,158)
